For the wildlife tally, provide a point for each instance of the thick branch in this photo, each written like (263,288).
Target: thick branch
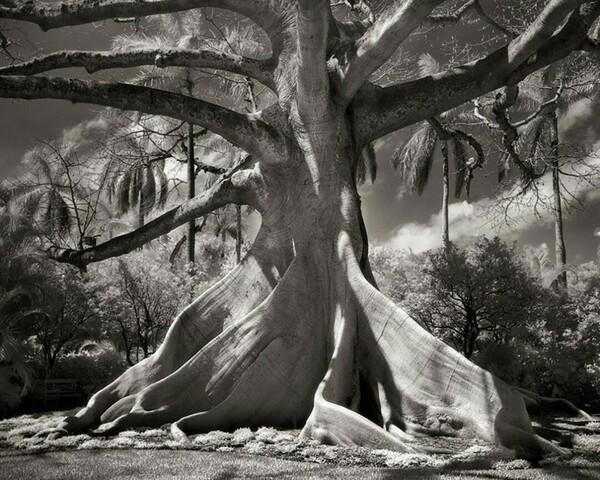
(451,18)
(172,57)
(380,42)
(455,17)
(384,110)
(246,131)
(79,12)
(222,193)
(313,79)
(539,31)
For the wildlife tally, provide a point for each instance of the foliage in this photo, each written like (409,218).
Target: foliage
(479,294)
(569,355)
(22,294)
(70,317)
(60,193)
(92,369)
(534,337)
(138,296)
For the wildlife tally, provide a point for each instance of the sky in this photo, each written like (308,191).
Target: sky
(393,217)
(398,219)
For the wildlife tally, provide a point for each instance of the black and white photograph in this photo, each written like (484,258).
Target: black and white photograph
(300,239)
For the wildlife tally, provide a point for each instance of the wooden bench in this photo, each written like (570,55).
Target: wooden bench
(56,389)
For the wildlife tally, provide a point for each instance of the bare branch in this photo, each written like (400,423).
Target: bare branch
(385,110)
(172,57)
(246,131)
(380,42)
(222,193)
(313,79)
(543,109)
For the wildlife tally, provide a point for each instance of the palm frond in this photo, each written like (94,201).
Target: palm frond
(57,212)
(122,192)
(366,165)
(428,65)
(148,190)
(415,158)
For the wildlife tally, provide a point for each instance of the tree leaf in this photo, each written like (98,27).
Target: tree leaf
(415,158)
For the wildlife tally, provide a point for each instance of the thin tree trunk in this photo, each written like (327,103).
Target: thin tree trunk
(559,239)
(445,195)
(238,236)
(191,176)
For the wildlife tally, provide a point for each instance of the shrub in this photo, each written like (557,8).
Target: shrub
(92,370)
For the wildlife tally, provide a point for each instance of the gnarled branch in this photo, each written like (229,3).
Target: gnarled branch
(456,16)
(384,110)
(169,57)
(248,132)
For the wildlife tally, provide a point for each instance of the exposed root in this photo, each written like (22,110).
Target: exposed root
(334,418)
(262,370)
(538,404)
(202,321)
(320,346)
(432,389)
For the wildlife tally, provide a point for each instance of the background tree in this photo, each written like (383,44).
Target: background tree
(414,158)
(297,333)
(138,297)
(479,294)
(533,145)
(60,194)
(68,317)
(22,295)
(548,346)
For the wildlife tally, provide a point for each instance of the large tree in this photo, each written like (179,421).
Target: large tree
(297,333)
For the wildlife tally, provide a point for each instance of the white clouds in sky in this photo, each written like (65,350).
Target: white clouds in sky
(470,220)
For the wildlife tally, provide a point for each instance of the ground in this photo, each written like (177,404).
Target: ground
(266,452)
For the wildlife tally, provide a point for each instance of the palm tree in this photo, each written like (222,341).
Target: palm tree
(23,290)
(59,195)
(538,138)
(139,188)
(414,158)
(187,31)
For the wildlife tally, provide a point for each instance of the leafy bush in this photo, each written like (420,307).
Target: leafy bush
(92,370)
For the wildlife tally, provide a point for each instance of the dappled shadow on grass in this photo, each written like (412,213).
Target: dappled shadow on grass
(470,458)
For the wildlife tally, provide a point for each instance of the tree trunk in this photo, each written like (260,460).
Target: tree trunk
(238,234)
(445,195)
(296,334)
(559,239)
(191,177)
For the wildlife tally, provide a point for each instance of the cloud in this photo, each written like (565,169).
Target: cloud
(487,216)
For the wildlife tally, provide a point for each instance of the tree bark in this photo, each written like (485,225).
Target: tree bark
(191,178)
(238,233)
(445,195)
(559,238)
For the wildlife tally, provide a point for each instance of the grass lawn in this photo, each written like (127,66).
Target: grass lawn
(270,453)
